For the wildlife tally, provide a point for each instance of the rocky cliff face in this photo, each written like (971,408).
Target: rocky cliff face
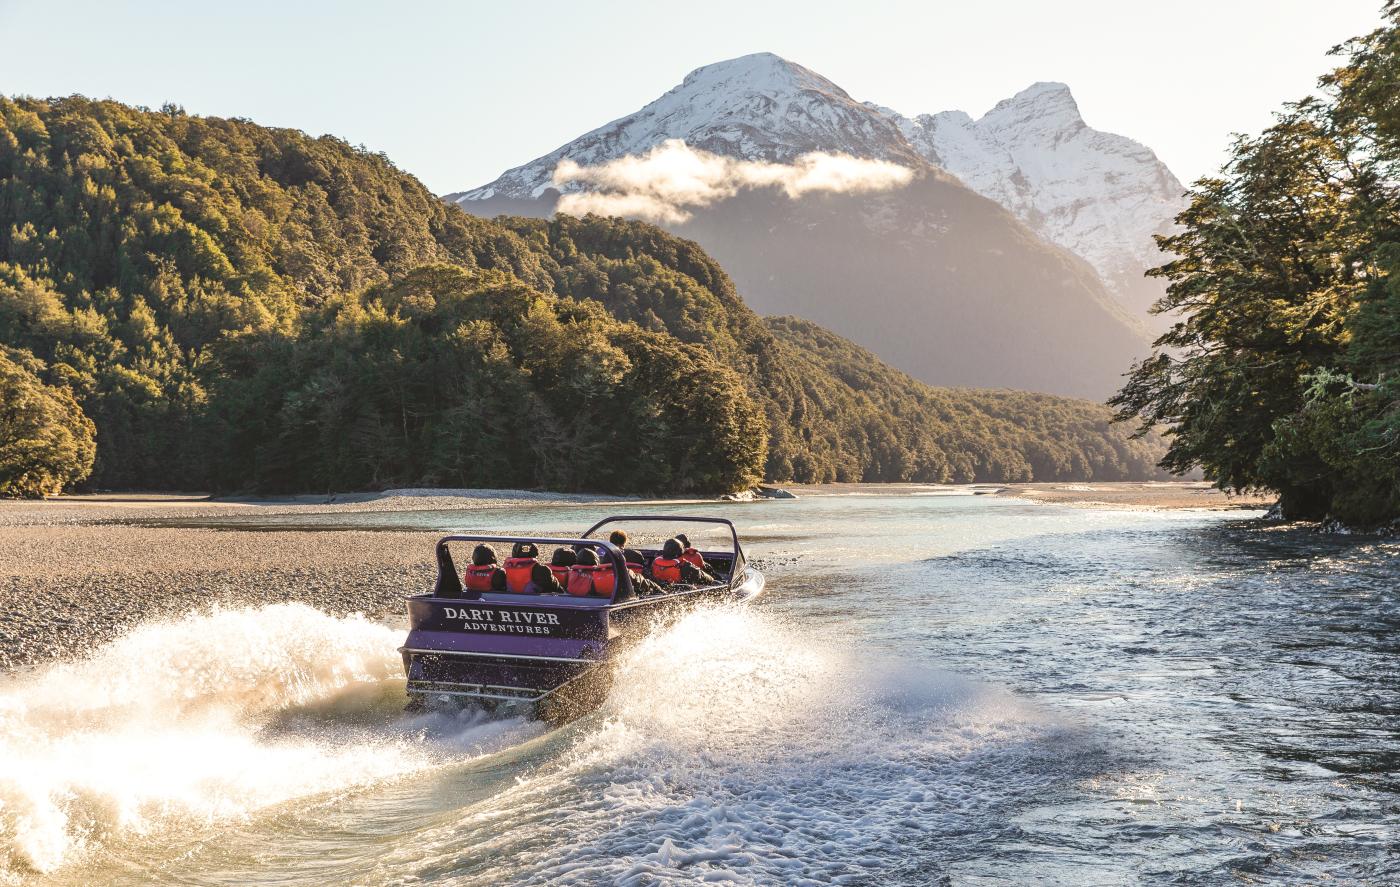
(1101,196)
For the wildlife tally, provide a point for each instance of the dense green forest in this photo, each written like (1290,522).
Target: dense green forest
(1284,373)
(895,426)
(835,411)
(242,308)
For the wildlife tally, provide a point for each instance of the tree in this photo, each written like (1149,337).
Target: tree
(1281,373)
(46,443)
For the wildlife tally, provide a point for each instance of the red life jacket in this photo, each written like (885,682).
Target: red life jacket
(478,578)
(604,580)
(635,568)
(694,558)
(560,573)
(518,571)
(580,581)
(666,569)
(586,580)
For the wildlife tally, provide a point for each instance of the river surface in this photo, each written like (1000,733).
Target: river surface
(935,689)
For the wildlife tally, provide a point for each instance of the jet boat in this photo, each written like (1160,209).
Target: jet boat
(549,656)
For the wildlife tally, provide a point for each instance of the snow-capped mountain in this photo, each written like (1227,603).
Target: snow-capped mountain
(1100,195)
(756,107)
(948,284)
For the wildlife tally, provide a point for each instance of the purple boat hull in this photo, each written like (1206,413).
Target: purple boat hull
(549,654)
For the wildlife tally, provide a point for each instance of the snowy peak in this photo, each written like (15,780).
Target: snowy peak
(755,107)
(1097,194)
(761,72)
(1049,102)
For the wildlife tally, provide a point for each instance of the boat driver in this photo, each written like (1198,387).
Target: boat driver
(619,539)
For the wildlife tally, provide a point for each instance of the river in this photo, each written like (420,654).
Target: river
(934,689)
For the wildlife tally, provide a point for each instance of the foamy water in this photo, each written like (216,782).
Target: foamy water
(933,687)
(191,723)
(745,751)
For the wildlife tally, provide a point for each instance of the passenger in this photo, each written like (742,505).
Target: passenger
(483,574)
(689,553)
(542,581)
(670,568)
(580,549)
(619,539)
(636,565)
(581,574)
(563,559)
(523,558)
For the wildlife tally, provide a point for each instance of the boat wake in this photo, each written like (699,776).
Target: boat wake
(204,719)
(738,748)
(734,746)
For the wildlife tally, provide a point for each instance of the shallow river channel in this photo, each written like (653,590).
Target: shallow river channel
(935,689)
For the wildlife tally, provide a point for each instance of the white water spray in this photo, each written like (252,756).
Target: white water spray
(738,748)
(177,723)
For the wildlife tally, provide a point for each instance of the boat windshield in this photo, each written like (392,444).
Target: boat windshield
(714,540)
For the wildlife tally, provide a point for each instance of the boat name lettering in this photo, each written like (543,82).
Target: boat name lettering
(509,621)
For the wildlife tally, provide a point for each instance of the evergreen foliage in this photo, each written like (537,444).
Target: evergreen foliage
(836,412)
(237,307)
(881,425)
(1282,374)
(46,443)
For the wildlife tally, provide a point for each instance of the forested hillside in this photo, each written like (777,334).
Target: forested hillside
(239,307)
(1285,372)
(836,412)
(897,426)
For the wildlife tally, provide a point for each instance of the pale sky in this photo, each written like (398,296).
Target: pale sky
(456,93)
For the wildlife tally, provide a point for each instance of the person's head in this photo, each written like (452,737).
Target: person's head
(524,549)
(684,540)
(564,557)
(618,538)
(483,555)
(672,549)
(588,558)
(633,556)
(541,575)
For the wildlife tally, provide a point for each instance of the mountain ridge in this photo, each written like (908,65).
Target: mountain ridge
(712,109)
(953,287)
(1100,195)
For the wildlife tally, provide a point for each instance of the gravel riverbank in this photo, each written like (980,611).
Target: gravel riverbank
(65,589)
(76,571)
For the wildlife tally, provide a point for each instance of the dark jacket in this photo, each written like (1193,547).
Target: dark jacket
(542,581)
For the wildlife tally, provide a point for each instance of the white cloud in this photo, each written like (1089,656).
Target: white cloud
(672,178)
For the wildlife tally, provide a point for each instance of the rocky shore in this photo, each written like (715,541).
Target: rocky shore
(1191,494)
(76,571)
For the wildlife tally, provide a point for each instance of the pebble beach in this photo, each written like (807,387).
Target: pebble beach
(76,571)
